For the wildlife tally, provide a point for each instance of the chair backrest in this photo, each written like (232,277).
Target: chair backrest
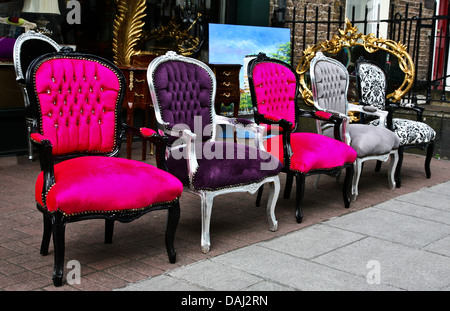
(76,100)
(274,88)
(371,83)
(183,91)
(27,48)
(329,81)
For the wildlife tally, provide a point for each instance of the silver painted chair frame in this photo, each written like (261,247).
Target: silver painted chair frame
(189,139)
(382,115)
(20,74)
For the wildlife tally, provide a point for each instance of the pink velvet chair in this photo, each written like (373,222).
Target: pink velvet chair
(76,100)
(274,91)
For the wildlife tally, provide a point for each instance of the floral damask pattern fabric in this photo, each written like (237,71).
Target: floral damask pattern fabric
(411,132)
(373,86)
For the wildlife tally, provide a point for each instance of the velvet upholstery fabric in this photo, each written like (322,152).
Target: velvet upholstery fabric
(225,164)
(6,48)
(330,88)
(312,151)
(370,140)
(184,96)
(77,102)
(106,184)
(275,89)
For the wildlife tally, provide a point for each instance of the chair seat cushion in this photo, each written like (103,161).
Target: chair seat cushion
(224,165)
(370,140)
(312,151)
(107,184)
(411,132)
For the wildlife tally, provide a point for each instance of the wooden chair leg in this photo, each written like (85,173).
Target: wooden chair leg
(173,217)
(109,229)
(378,166)
(430,151)
(59,225)
(288,186)
(300,187)
(346,188)
(398,170)
(258,197)
(46,235)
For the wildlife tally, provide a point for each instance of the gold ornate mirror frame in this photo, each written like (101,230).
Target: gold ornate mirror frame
(128,29)
(350,37)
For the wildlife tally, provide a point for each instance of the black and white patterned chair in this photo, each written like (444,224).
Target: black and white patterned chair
(372,83)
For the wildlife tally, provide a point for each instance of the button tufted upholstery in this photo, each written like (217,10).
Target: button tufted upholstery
(330,89)
(329,80)
(184,95)
(371,81)
(77,101)
(275,90)
(183,90)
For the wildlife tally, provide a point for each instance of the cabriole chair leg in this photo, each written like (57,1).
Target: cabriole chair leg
(300,186)
(46,235)
(173,217)
(59,226)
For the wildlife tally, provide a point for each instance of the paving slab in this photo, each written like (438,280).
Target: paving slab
(397,265)
(391,226)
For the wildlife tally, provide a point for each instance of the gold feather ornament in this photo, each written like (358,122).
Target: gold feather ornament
(127,29)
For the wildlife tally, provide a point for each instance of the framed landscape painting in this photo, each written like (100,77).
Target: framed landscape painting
(235,44)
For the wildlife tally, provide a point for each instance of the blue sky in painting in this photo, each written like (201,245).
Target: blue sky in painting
(229,44)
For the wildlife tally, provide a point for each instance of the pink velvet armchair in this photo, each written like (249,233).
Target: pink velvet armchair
(76,100)
(274,91)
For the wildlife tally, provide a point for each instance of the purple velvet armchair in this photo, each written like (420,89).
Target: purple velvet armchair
(274,91)
(183,91)
(76,101)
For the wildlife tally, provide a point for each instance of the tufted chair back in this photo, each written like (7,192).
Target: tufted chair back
(371,81)
(275,89)
(185,96)
(77,101)
(329,80)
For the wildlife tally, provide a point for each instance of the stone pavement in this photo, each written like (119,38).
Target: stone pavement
(400,244)
(330,249)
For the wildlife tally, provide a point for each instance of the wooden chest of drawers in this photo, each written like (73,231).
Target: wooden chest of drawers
(228,90)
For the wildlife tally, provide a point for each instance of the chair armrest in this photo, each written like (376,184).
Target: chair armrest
(393,106)
(269,119)
(153,137)
(370,110)
(191,154)
(44,148)
(322,115)
(245,125)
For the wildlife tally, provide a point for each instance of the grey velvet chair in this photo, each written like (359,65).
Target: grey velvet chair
(329,81)
(372,83)
(183,91)
(29,46)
